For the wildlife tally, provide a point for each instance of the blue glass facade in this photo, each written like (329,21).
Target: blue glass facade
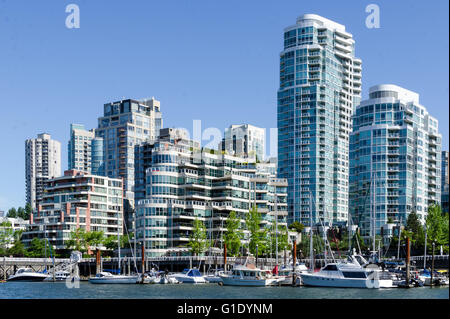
(320,82)
(98,163)
(394,146)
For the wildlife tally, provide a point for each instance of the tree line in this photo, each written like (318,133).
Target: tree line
(20,212)
(262,241)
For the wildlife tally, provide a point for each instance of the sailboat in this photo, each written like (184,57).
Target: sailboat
(105,277)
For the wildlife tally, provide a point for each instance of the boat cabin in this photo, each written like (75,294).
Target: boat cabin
(249,273)
(192,272)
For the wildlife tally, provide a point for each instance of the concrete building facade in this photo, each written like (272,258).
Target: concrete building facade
(42,162)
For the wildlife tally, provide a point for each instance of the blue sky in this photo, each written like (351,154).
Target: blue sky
(217,61)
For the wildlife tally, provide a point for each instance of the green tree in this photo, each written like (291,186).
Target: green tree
(318,244)
(283,241)
(233,235)
(297,226)
(18,249)
(437,227)
(94,239)
(414,230)
(258,235)
(197,240)
(126,240)
(110,242)
(28,210)
(12,213)
(40,248)
(358,240)
(77,241)
(21,213)
(6,237)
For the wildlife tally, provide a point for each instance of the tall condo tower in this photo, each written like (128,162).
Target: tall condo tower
(42,162)
(395,164)
(80,148)
(123,125)
(320,85)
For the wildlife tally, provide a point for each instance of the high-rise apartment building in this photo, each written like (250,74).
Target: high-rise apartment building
(180,188)
(244,140)
(42,161)
(445,176)
(320,85)
(80,148)
(77,200)
(395,165)
(143,156)
(445,182)
(123,125)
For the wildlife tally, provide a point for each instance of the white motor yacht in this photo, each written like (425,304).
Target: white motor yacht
(108,278)
(249,276)
(348,274)
(27,274)
(189,276)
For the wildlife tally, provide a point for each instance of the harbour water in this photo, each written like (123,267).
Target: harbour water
(58,290)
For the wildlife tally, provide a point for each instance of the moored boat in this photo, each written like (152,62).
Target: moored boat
(348,274)
(108,278)
(249,276)
(27,274)
(189,276)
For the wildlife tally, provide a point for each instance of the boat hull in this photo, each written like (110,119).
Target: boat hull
(190,280)
(322,281)
(28,278)
(130,280)
(233,281)
(213,279)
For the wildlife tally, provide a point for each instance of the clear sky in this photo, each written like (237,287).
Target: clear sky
(216,61)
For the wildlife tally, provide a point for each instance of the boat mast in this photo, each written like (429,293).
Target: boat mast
(349,232)
(374,213)
(276,228)
(425,251)
(118,239)
(311,232)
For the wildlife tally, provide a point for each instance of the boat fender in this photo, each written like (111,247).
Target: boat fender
(220,283)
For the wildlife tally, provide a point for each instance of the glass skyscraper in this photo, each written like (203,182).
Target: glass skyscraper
(395,148)
(320,85)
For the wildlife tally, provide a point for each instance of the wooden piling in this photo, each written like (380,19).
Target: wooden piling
(225,256)
(97,261)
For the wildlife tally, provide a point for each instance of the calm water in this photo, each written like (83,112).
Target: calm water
(30,290)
